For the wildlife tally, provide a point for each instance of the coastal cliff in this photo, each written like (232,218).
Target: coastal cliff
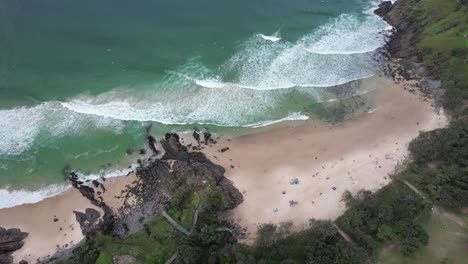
(430,43)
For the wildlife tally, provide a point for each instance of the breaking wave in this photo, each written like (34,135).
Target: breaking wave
(12,197)
(22,125)
(244,90)
(273,38)
(290,117)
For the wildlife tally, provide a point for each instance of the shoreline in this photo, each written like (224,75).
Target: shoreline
(326,160)
(353,155)
(49,191)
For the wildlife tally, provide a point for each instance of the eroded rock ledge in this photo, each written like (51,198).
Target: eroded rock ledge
(10,241)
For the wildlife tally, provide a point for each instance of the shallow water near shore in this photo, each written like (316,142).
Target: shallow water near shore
(80,81)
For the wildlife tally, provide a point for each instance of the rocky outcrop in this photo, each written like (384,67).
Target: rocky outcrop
(403,42)
(231,197)
(383,8)
(96,199)
(176,173)
(403,47)
(159,179)
(90,221)
(151,141)
(10,241)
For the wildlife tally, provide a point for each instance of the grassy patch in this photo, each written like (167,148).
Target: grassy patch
(104,258)
(151,245)
(184,214)
(446,244)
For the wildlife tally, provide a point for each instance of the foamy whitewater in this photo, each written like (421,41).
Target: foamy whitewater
(11,198)
(253,87)
(273,38)
(336,53)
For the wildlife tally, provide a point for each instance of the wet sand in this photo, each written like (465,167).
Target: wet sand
(326,160)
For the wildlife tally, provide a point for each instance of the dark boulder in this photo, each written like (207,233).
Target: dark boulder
(231,197)
(10,241)
(383,8)
(207,137)
(196,136)
(224,149)
(152,144)
(6,259)
(174,149)
(87,192)
(95,183)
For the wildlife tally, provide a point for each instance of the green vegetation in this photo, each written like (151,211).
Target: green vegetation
(319,243)
(443,45)
(447,244)
(156,242)
(440,166)
(153,244)
(386,216)
(184,215)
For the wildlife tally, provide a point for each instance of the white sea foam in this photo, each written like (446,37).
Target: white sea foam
(210,83)
(21,126)
(11,197)
(319,59)
(336,53)
(241,90)
(224,107)
(273,38)
(333,54)
(290,117)
(348,34)
(116,173)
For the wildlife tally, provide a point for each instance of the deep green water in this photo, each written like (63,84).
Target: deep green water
(79,80)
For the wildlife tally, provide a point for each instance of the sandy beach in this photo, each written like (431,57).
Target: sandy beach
(51,223)
(326,160)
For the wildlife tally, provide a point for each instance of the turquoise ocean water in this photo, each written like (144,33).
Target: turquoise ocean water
(79,80)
